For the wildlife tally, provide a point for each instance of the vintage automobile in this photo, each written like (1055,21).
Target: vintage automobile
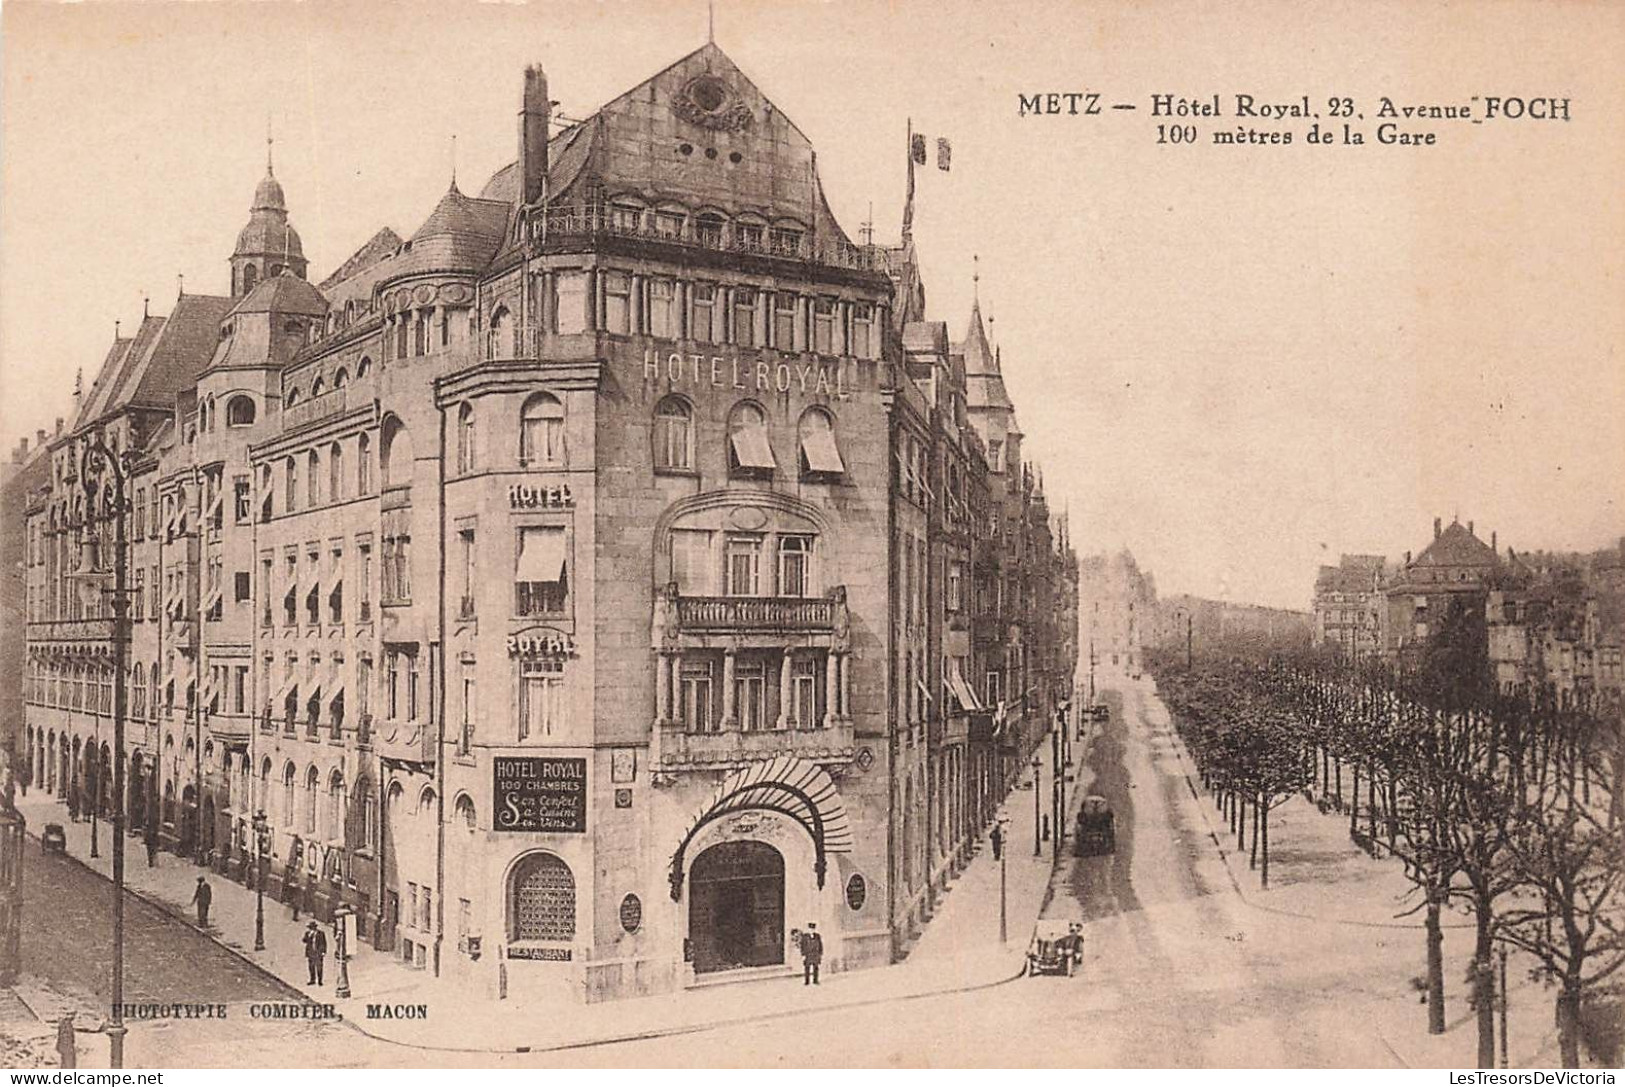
(1097,832)
(1057,947)
(1100,712)
(53,839)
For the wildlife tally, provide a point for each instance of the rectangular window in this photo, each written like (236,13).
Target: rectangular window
(539,576)
(697,696)
(863,330)
(617,303)
(784,321)
(804,690)
(241,588)
(625,218)
(240,501)
(467,564)
(414,678)
(570,302)
(541,699)
(824,326)
(795,565)
(749,236)
(239,689)
(702,312)
(668,224)
(411,905)
(465,732)
(364,558)
(786,242)
(662,310)
(745,316)
(750,694)
(691,563)
(744,565)
(956,586)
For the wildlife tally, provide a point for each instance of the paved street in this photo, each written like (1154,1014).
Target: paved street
(1179,970)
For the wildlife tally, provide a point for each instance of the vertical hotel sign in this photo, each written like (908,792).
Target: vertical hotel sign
(537,793)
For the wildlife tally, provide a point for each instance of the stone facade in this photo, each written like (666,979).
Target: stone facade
(550,580)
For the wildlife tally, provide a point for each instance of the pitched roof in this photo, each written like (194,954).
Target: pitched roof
(461,233)
(178,352)
(285,293)
(1457,546)
(375,249)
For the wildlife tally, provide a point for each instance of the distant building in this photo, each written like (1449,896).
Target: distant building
(1217,626)
(1116,602)
(1557,620)
(1457,568)
(1348,606)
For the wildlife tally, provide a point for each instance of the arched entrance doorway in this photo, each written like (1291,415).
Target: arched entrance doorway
(206,827)
(188,828)
(136,787)
(736,909)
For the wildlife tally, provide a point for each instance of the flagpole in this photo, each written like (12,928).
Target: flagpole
(908,203)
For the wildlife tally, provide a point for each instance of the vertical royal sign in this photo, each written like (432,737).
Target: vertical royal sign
(535,793)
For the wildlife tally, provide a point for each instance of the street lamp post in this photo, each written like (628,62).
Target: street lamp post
(1038,834)
(259,880)
(1004,856)
(341,948)
(97,461)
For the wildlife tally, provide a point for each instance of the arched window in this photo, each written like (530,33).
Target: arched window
(263,797)
(363,368)
(318,388)
(674,434)
(240,411)
(541,899)
(335,472)
(312,784)
(250,275)
(426,802)
(288,776)
(314,461)
(337,806)
(396,453)
(363,465)
(497,339)
(819,454)
(708,229)
(290,484)
(341,378)
(465,438)
(465,813)
(749,452)
(292,398)
(541,431)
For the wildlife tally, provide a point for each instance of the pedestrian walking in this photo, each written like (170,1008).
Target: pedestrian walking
(73,805)
(202,895)
(812,953)
(66,1049)
(998,841)
(315,951)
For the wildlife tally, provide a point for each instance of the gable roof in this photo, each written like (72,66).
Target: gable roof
(1457,546)
(179,351)
(373,250)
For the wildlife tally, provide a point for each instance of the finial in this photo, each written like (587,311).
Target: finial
(79,383)
(976,277)
(269,140)
(180,283)
(145,312)
(116,323)
(711,21)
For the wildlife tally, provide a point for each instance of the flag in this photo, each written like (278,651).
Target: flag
(944,153)
(917,149)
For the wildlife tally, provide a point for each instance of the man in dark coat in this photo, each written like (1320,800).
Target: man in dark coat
(812,953)
(202,895)
(66,1049)
(315,951)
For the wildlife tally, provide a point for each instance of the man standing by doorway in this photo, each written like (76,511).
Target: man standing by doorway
(812,953)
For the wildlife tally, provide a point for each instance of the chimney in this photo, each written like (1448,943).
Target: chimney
(1438,527)
(1492,541)
(535,112)
(39,438)
(59,426)
(1407,558)
(1469,528)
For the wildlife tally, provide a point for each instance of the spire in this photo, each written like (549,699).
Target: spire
(454,160)
(711,22)
(270,140)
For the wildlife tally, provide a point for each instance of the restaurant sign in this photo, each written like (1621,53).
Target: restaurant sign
(538,793)
(540,954)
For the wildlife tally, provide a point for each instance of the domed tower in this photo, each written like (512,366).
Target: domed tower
(269,242)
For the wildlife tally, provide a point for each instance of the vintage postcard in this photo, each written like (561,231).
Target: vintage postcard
(523,547)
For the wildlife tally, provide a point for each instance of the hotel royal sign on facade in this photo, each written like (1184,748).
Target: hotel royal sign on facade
(759,375)
(539,793)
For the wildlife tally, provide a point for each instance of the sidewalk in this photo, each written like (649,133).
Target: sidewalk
(1318,874)
(959,950)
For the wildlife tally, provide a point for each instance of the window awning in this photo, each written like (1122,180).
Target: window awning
(289,686)
(541,554)
(751,449)
(214,507)
(336,698)
(818,446)
(212,599)
(962,691)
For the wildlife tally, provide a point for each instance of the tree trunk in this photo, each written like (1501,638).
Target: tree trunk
(1257,806)
(1354,803)
(1435,938)
(1484,981)
(1337,768)
(1241,823)
(1568,1022)
(1371,803)
(1264,871)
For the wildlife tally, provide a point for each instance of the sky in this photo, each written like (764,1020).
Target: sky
(1236,361)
